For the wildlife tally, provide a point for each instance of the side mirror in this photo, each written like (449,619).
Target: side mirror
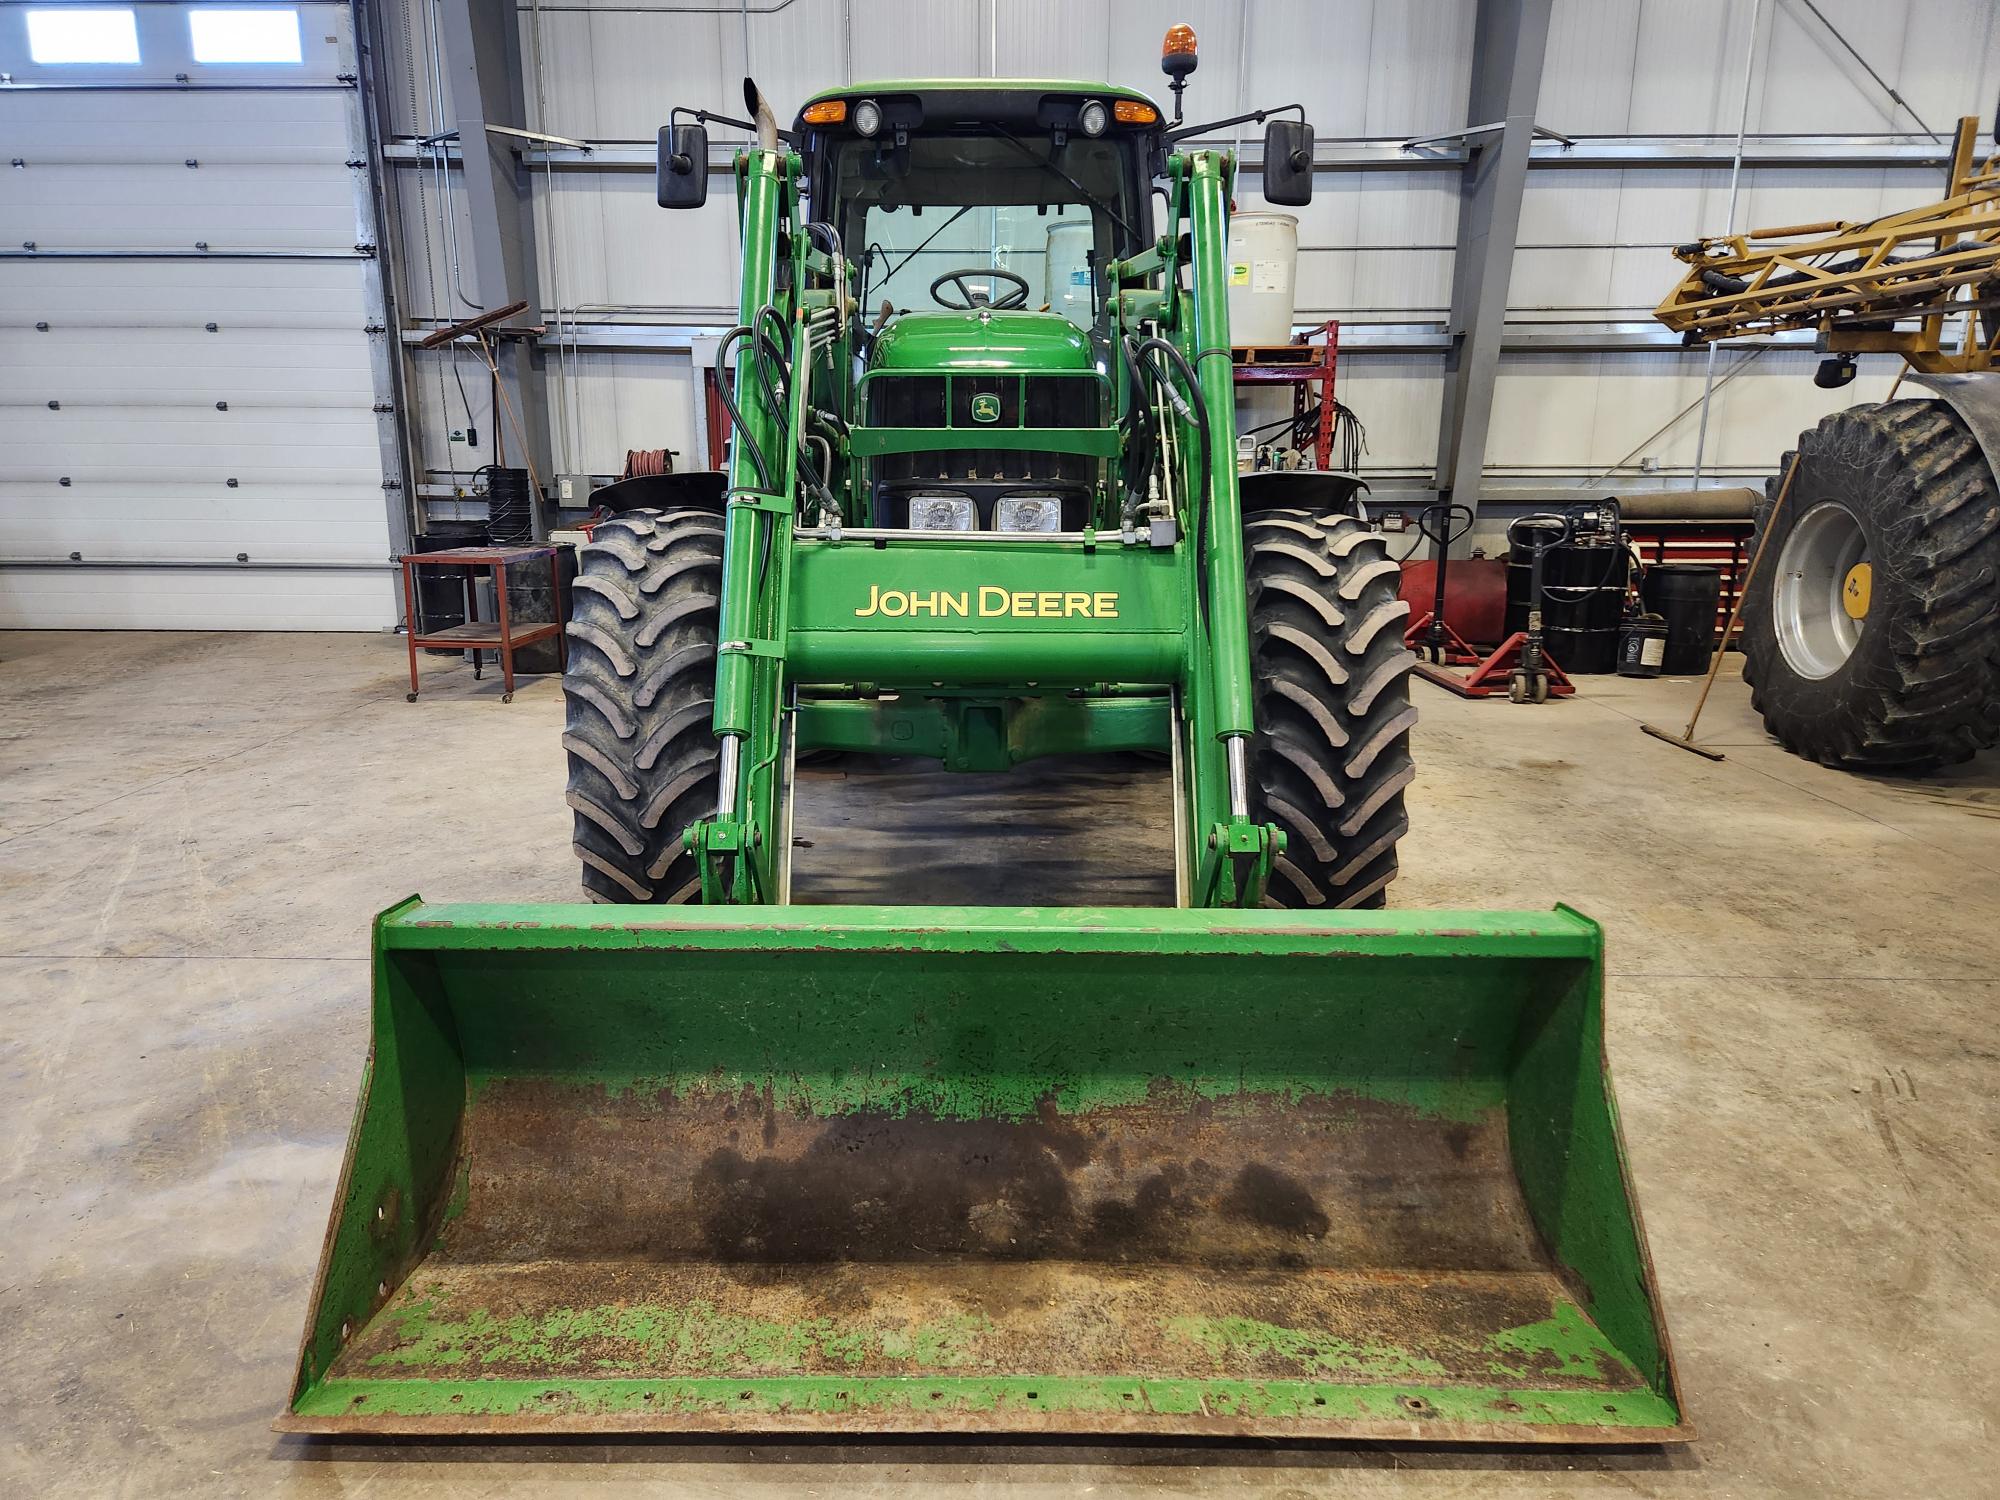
(1288,162)
(682,178)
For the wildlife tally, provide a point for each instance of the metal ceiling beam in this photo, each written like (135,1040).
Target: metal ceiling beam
(690,327)
(1389,154)
(1510,38)
(482,63)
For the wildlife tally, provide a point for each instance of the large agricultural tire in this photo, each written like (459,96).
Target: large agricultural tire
(640,699)
(1332,700)
(1910,683)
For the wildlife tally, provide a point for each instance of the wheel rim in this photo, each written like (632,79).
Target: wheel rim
(1820,604)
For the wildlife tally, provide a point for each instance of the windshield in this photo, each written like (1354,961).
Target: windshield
(987,201)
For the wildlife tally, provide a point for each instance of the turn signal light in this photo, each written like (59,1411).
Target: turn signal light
(1132,112)
(826,112)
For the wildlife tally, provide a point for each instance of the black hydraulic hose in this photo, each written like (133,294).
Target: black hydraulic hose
(1191,408)
(769,350)
(724,390)
(1142,440)
(828,238)
(775,370)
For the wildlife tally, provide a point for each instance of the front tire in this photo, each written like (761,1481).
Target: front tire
(1331,755)
(640,699)
(1871,633)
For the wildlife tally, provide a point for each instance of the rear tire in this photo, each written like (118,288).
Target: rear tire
(1332,698)
(1910,685)
(640,698)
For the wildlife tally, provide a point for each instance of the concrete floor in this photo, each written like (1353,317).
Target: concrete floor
(195,830)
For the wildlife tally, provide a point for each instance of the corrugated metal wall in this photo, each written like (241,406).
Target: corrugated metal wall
(1375,245)
(186,374)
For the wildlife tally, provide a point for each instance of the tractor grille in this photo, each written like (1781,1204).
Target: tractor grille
(947,401)
(1029,401)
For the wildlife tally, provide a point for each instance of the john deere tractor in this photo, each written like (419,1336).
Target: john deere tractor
(699,1159)
(983,508)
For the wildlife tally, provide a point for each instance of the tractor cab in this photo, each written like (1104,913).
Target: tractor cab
(963,196)
(980,219)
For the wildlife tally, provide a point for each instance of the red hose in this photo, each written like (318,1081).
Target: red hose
(643,463)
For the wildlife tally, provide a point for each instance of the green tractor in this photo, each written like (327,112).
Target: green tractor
(983,507)
(702,1160)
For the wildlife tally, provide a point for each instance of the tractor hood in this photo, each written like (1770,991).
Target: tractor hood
(1039,342)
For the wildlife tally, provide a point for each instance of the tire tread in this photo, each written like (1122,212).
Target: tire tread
(639,694)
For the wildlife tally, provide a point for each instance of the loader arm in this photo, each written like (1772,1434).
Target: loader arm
(801,602)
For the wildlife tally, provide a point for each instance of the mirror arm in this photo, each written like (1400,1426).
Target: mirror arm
(1255,117)
(709,116)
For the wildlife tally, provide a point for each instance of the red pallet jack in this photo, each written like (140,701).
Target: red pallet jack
(1520,666)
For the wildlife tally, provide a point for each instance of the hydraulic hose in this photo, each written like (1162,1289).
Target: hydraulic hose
(770,350)
(828,238)
(1142,438)
(1191,408)
(1144,354)
(723,389)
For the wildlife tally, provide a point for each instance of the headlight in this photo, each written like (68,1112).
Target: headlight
(940,513)
(1028,513)
(867,117)
(1093,117)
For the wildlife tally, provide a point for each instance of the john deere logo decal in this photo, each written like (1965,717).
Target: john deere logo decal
(985,408)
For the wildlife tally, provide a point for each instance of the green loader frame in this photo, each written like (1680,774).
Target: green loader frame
(1098,644)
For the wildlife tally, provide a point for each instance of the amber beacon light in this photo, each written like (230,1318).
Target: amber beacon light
(1177,60)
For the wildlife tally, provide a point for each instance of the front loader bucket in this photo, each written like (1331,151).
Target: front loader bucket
(847,1169)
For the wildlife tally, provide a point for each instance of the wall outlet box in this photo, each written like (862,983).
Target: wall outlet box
(573,491)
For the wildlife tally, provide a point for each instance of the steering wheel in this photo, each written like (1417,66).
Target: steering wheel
(970,299)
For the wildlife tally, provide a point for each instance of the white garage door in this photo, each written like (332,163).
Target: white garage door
(188,433)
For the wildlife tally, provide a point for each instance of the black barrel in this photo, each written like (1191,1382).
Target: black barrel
(1584,603)
(531,601)
(441,591)
(510,511)
(1686,595)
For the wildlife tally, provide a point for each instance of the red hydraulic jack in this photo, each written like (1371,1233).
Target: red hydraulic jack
(1520,667)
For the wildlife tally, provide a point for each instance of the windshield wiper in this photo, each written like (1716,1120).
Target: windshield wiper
(890,274)
(1047,164)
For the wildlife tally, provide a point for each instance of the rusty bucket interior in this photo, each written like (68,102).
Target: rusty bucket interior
(910,1169)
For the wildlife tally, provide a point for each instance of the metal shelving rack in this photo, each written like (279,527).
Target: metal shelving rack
(1312,358)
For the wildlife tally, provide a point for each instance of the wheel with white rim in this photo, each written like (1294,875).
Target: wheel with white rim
(1871,631)
(1821,596)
